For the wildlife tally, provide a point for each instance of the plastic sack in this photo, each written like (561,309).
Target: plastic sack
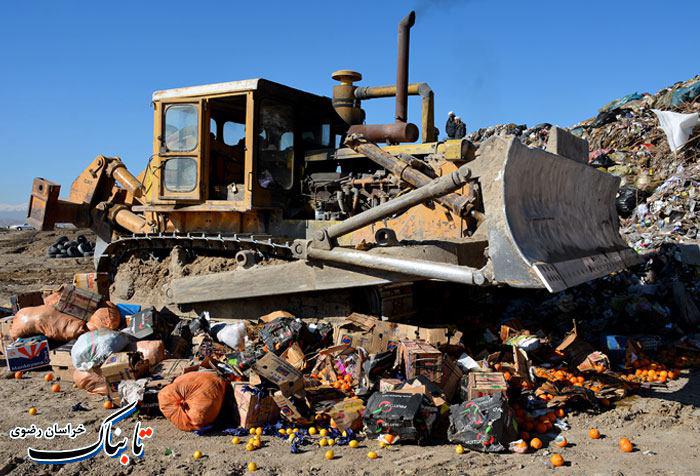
(52,299)
(107,317)
(677,126)
(152,350)
(483,424)
(92,348)
(193,400)
(91,382)
(48,321)
(627,200)
(233,335)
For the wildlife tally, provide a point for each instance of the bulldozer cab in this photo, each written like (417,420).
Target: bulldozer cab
(235,146)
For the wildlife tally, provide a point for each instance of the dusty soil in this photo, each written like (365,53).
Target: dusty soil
(25,265)
(664,425)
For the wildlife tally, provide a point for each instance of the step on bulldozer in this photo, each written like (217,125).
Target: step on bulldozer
(307,198)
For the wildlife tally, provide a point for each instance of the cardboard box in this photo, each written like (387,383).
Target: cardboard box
(140,325)
(97,283)
(420,358)
(451,375)
(77,302)
(61,361)
(574,348)
(170,369)
(293,409)
(295,356)
(288,379)
(28,353)
(389,384)
(347,414)
(255,407)
(363,331)
(29,299)
(5,339)
(480,384)
(117,367)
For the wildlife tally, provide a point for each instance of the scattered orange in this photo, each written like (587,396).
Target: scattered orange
(19,375)
(557,460)
(389,438)
(560,441)
(594,433)
(329,455)
(507,376)
(626,445)
(32,411)
(55,388)
(372,455)
(561,413)
(541,428)
(536,443)
(108,405)
(48,377)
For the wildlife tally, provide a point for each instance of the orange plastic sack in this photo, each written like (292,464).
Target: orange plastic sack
(105,318)
(91,381)
(52,299)
(152,350)
(193,400)
(46,320)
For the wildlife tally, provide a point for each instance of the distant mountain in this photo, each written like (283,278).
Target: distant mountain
(12,214)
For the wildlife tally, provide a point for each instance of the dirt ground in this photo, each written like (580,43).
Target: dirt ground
(663,425)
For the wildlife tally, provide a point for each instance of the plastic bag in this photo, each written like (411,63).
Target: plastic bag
(483,424)
(91,349)
(677,126)
(46,320)
(152,350)
(233,335)
(193,400)
(90,381)
(107,317)
(627,200)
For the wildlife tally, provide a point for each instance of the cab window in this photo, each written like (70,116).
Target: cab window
(180,174)
(181,128)
(276,145)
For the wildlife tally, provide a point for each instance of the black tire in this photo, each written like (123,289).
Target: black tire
(73,252)
(85,248)
(53,250)
(60,240)
(81,239)
(87,253)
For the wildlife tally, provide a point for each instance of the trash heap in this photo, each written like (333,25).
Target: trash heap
(506,387)
(660,188)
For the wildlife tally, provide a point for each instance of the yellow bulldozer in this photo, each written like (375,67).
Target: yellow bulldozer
(294,188)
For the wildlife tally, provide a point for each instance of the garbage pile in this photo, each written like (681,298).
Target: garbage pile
(505,387)
(66,248)
(652,142)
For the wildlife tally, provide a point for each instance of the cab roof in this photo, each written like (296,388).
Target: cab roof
(230,87)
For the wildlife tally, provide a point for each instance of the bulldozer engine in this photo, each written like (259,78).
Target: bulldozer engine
(301,195)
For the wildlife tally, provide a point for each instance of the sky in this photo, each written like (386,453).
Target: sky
(76,77)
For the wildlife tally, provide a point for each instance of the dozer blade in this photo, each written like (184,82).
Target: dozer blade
(551,220)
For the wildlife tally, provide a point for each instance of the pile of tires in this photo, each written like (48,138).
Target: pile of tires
(65,248)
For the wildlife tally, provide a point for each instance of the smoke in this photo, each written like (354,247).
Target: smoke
(428,7)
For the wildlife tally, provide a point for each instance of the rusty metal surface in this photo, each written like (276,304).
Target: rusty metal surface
(457,204)
(387,133)
(432,190)
(404,38)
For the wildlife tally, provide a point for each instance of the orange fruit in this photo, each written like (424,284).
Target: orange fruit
(557,460)
(108,405)
(372,455)
(536,443)
(672,374)
(541,428)
(48,377)
(32,411)
(389,439)
(594,433)
(507,376)
(552,417)
(580,379)
(55,388)
(19,375)
(626,445)
(560,441)
(561,413)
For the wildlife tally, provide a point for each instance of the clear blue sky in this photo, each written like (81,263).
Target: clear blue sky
(76,77)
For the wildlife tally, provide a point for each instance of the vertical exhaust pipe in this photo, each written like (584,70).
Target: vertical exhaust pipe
(402,67)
